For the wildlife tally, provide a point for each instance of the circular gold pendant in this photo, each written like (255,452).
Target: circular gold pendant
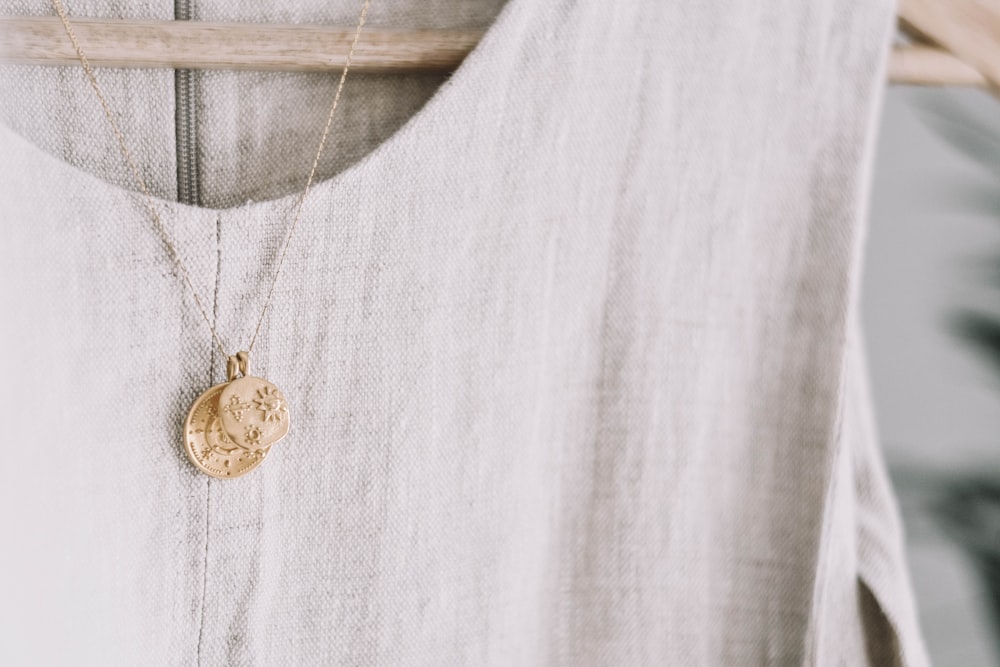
(253,412)
(231,426)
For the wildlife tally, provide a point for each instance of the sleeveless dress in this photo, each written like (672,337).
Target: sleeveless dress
(570,342)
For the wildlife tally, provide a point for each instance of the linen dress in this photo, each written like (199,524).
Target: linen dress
(570,342)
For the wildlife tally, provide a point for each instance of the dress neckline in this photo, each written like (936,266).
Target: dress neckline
(474,72)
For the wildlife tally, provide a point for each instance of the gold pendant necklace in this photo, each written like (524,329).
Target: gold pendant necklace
(231,426)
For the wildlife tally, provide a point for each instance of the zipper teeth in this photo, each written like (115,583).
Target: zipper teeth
(184,94)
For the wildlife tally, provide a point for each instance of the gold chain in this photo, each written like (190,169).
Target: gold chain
(171,249)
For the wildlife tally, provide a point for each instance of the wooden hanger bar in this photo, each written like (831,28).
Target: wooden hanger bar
(242,46)
(318,48)
(968,28)
(922,65)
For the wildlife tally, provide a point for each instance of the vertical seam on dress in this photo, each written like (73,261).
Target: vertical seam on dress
(208,482)
(204,580)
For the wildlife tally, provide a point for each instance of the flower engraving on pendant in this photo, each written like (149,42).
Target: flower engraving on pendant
(270,402)
(252,435)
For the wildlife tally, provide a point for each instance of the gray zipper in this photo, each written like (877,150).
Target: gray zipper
(185,121)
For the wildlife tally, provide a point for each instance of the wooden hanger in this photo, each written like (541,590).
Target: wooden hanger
(965,32)
(956,42)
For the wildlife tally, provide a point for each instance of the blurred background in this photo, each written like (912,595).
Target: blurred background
(931,315)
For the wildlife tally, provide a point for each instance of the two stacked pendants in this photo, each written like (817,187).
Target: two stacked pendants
(231,426)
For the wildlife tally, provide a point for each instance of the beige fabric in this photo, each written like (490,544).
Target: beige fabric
(572,355)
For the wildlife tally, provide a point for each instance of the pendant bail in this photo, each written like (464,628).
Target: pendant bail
(237,363)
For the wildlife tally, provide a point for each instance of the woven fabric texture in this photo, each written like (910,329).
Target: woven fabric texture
(569,337)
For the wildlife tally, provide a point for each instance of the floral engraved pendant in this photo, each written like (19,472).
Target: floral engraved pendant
(231,426)
(253,412)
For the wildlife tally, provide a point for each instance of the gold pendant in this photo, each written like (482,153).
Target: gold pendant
(231,426)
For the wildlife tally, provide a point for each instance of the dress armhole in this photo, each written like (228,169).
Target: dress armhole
(886,602)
